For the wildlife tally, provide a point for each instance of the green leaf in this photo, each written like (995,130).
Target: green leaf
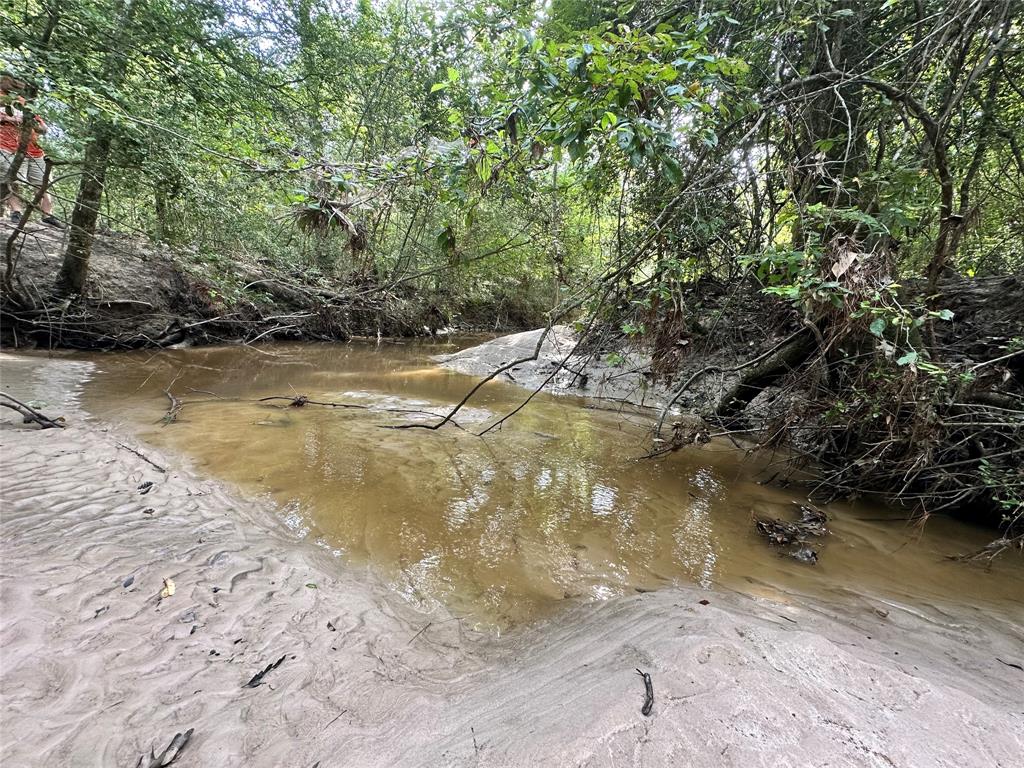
(908,359)
(672,170)
(944,314)
(625,137)
(878,326)
(438,87)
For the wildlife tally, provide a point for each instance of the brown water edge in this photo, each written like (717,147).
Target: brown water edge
(504,529)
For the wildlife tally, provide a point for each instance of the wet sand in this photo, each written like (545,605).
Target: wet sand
(97,669)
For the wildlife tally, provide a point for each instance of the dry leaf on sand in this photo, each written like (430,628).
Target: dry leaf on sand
(168,589)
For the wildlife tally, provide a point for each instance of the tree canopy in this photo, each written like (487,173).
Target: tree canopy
(385,137)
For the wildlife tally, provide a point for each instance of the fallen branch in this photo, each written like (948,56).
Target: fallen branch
(301,401)
(493,375)
(562,364)
(29,413)
(174,409)
(991,551)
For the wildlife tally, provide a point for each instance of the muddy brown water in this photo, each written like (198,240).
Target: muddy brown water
(501,530)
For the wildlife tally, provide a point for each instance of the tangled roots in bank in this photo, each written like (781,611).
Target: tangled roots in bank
(881,393)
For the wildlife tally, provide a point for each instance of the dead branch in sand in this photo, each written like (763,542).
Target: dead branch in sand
(29,413)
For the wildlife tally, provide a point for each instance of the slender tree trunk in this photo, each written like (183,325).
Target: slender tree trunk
(75,269)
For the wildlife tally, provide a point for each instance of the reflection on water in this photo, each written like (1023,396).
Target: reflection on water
(554,505)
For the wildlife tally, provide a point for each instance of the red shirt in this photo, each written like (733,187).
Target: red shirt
(10,137)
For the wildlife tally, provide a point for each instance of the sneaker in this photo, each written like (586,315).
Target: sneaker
(53,221)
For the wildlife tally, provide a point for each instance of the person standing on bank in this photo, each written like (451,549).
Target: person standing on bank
(33,164)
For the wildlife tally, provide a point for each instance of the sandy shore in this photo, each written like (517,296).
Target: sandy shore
(621,380)
(97,669)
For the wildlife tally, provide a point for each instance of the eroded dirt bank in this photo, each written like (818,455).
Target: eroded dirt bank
(142,294)
(97,670)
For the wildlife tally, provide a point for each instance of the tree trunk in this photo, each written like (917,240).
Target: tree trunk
(75,269)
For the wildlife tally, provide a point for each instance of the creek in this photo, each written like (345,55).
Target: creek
(555,506)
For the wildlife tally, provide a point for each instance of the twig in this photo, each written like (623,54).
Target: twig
(997,360)
(493,375)
(425,628)
(143,457)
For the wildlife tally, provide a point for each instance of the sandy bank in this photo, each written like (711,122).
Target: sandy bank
(620,378)
(97,670)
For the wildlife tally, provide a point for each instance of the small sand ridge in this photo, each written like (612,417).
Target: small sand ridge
(97,670)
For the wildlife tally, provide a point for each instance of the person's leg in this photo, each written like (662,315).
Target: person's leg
(6,190)
(35,170)
(14,199)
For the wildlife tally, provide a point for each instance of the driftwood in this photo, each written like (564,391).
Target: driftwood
(30,414)
(300,401)
(991,551)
